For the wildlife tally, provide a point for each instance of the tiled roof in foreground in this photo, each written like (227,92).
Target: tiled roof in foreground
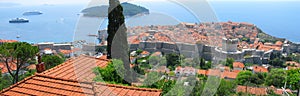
(41,85)
(79,68)
(74,78)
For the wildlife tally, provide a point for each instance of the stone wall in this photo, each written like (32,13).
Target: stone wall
(187,50)
(62,47)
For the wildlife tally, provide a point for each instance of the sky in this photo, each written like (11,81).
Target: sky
(40,2)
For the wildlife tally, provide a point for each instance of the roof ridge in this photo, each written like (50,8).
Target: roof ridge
(96,58)
(62,64)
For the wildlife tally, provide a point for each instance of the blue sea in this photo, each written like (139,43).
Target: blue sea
(63,23)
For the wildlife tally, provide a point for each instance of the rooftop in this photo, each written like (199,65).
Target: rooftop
(78,68)
(40,84)
(238,65)
(252,90)
(74,77)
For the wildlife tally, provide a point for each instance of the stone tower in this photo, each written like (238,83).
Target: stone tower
(229,45)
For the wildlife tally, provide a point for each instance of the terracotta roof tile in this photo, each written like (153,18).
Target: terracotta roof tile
(77,68)
(252,90)
(8,41)
(260,69)
(229,75)
(238,65)
(60,81)
(202,72)
(4,68)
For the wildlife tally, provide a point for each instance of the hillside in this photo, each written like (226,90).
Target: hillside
(101,11)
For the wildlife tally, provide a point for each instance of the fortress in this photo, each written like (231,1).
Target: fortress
(211,41)
(212,53)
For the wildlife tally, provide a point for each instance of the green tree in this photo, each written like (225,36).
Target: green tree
(243,77)
(258,78)
(139,51)
(207,65)
(293,78)
(152,77)
(277,62)
(117,47)
(197,91)
(276,77)
(113,73)
(226,88)
(17,53)
(52,61)
(173,60)
(116,23)
(4,81)
(202,62)
(229,62)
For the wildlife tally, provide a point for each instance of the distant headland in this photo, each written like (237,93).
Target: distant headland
(129,10)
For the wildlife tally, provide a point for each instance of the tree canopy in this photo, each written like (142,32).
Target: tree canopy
(52,61)
(18,53)
(276,77)
(293,78)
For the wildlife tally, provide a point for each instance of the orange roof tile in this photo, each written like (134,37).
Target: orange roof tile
(47,85)
(4,68)
(8,41)
(238,65)
(260,69)
(214,72)
(202,72)
(78,68)
(145,53)
(231,75)
(252,90)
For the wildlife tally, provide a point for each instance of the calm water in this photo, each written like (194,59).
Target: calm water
(58,23)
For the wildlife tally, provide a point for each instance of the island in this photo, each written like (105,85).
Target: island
(129,10)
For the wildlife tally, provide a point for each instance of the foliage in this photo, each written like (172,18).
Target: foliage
(52,61)
(207,65)
(226,88)
(199,85)
(179,89)
(276,77)
(246,39)
(139,70)
(116,23)
(229,62)
(117,44)
(243,77)
(277,62)
(152,77)
(293,78)
(173,60)
(18,53)
(258,78)
(4,81)
(27,74)
(139,51)
(111,73)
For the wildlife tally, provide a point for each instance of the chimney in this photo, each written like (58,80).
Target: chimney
(40,67)
(39,59)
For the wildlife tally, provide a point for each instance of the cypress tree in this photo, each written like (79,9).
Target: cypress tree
(117,47)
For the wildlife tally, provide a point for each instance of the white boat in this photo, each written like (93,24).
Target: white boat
(19,20)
